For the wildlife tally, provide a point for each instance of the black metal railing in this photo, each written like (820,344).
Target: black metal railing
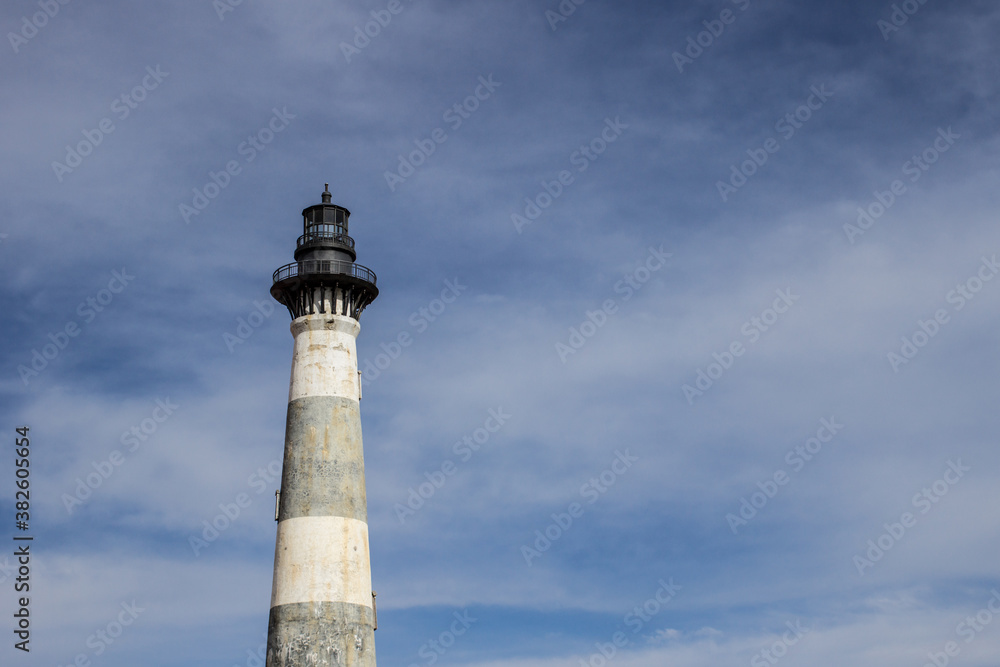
(324,267)
(322,238)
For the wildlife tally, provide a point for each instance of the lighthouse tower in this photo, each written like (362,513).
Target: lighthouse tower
(322,604)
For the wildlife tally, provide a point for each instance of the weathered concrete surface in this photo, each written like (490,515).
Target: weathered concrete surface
(324,469)
(321,634)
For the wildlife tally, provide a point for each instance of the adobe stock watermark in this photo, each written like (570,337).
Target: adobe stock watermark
(913,169)
(420,320)
(753,329)
(779,649)
(454,116)
(636,620)
(433,649)
(629,284)
(899,17)
(6,569)
(223,7)
(591,491)
(122,107)
(256,658)
(927,329)
(563,11)
(364,34)
(229,512)
(581,158)
(103,638)
(132,440)
(30,26)
(705,39)
(60,340)
(464,449)
(245,327)
(968,630)
(787,126)
(924,501)
(248,149)
(796,459)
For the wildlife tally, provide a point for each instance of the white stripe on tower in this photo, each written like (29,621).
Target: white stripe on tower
(325,358)
(322,559)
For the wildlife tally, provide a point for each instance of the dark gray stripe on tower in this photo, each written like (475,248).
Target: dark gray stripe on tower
(321,634)
(324,468)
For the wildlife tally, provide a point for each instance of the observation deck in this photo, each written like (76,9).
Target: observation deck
(324,278)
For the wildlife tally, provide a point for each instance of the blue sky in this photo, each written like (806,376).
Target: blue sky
(841,368)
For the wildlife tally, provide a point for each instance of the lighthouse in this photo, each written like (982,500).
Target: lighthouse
(322,604)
